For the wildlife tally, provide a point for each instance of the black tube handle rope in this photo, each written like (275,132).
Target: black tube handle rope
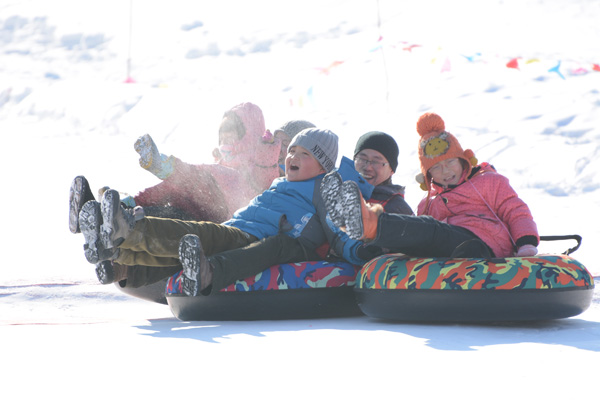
(563,237)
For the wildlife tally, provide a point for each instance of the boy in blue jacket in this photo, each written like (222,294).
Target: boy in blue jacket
(286,211)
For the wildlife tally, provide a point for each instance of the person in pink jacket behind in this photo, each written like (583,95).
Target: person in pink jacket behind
(246,164)
(470,209)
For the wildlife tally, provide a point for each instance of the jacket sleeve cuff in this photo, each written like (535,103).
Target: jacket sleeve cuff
(527,240)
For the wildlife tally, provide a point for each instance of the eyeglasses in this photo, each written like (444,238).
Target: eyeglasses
(361,163)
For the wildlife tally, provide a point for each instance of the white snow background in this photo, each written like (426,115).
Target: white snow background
(350,66)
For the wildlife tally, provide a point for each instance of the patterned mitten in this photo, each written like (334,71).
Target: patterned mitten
(150,159)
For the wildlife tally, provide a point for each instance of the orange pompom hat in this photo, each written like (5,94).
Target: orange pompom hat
(436,145)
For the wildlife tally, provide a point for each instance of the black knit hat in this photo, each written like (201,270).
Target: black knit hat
(381,142)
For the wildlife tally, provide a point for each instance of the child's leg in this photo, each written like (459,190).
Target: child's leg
(250,260)
(109,272)
(225,268)
(138,259)
(158,237)
(419,235)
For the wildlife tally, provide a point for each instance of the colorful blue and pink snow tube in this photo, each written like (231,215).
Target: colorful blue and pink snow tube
(399,288)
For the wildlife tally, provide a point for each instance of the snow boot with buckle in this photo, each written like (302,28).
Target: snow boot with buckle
(197,270)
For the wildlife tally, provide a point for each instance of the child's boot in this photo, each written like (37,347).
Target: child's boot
(331,191)
(361,218)
(118,222)
(108,272)
(127,200)
(90,220)
(79,194)
(197,270)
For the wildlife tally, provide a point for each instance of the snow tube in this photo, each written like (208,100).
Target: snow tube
(397,287)
(290,291)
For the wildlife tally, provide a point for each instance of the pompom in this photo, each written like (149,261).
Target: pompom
(420,178)
(430,122)
(469,155)
(268,137)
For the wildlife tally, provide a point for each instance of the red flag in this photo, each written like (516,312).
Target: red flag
(514,63)
(409,48)
(596,67)
(327,70)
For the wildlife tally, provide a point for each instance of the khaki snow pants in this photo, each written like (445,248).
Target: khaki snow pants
(154,241)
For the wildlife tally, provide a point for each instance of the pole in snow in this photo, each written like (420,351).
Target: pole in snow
(129,79)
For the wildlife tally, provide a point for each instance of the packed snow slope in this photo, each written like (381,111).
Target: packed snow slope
(517,81)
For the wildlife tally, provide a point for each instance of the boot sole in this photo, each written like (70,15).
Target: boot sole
(79,194)
(351,203)
(331,189)
(105,272)
(90,219)
(190,250)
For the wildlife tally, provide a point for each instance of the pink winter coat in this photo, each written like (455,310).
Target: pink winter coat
(213,192)
(487,206)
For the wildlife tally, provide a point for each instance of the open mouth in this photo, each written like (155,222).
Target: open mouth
(294,168)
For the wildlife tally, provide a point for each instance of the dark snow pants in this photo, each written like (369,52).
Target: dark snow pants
(252,259)
(420,236)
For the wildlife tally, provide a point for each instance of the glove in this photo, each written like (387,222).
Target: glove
(158,164)
(527,250)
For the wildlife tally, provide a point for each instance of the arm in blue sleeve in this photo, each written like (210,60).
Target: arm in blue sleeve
(343,245)
(350,252)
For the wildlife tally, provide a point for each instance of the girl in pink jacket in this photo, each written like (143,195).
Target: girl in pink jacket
(470,210)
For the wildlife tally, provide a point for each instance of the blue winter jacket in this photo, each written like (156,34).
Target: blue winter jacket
(285,207)
(297,209)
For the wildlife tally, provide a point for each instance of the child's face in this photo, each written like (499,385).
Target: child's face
(228,138)
(227,142)
(373,166)
(447,172)
(301,165)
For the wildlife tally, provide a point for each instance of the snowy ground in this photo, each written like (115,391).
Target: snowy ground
(65,110)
